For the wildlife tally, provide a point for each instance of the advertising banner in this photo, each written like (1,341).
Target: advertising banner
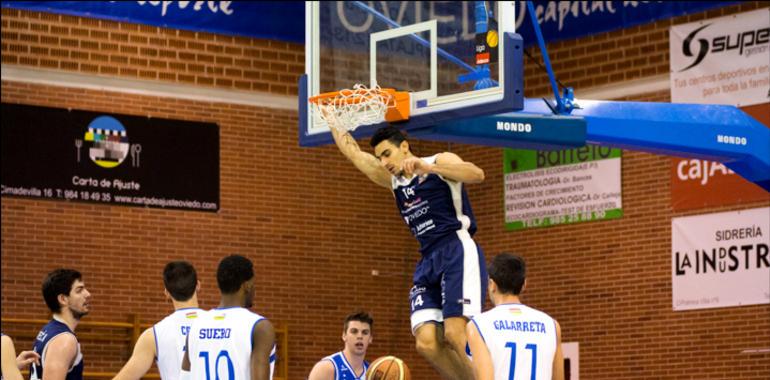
(544,188)
(281,20)
(69,155)
(722,60)
(285,20)
(721,259)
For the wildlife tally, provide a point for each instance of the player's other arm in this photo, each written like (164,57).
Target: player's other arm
(323,370)
(558,358)
(263,339)
(448,165)
(363,161)
(186,360)
(11,364)
(142,358)
(482,360)
(59,356)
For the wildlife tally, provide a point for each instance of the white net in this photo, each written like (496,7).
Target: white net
(351,108)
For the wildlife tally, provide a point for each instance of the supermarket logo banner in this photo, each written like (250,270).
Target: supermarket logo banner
(545,188)
(721,259)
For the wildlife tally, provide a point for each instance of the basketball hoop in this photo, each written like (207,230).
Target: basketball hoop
(348,109)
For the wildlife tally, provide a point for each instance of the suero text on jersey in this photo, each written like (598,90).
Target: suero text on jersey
(220,333)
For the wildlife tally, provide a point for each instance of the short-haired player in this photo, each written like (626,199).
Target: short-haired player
(513,341)
(348,364)
(229,341)
(164,342)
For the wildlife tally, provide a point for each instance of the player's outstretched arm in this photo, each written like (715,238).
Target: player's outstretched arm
(60,354)
(363,161)
(448,165)
(323,370)
(482,360)
(263,338)
(142,358)
(558,358)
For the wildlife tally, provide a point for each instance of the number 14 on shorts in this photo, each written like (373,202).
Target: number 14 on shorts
(417,302)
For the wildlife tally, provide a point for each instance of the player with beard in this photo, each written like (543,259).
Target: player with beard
(69,300)
(348,364)
(231,342)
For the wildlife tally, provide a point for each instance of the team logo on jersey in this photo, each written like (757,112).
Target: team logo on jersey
(408,204)
(219,317)
(514,311)
(42,335)
(191,315)
(109,142)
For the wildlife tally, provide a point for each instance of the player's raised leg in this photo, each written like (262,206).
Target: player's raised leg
(430,343)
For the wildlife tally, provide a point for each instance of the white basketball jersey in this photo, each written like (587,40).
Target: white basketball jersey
(220,345)
(521,341)
(170,337)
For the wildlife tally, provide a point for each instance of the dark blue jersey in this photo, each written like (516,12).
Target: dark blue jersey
(53,329)
(434,208)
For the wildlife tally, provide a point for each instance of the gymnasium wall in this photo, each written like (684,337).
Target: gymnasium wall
(316,228)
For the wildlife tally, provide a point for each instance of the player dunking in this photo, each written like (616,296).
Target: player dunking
(450,278)
(165,341)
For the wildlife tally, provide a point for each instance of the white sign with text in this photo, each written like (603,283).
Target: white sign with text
(722,60)
(721,259)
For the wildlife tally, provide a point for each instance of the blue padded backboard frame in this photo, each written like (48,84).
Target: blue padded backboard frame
(713,132)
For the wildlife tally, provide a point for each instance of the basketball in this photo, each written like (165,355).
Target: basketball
(388,368)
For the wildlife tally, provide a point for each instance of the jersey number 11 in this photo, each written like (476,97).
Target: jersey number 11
(512,370)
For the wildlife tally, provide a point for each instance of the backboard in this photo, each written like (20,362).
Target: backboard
(456,58)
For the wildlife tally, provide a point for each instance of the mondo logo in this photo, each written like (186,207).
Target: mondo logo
(733,140)
(514,127)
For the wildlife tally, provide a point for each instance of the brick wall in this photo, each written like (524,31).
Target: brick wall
(317,234)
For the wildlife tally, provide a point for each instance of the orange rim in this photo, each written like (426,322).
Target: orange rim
(328,97)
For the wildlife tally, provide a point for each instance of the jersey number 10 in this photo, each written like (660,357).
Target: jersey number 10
(512,371)
(222,355)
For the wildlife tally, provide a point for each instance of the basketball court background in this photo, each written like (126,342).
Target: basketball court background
(317,228)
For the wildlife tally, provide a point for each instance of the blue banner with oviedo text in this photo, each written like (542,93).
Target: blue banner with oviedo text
(561,20)
(275,20)
(285,20)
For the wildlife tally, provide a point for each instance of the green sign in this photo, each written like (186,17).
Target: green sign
(545,188)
